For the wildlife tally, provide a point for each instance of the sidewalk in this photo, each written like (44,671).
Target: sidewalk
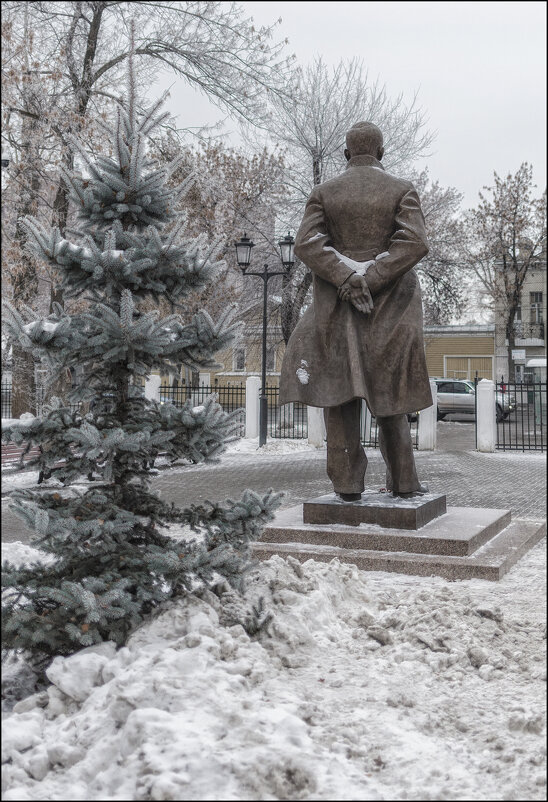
(502,480)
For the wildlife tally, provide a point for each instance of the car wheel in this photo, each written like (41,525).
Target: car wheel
(500,414)
(441,415)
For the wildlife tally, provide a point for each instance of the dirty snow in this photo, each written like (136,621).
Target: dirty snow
(272,446)
(368,686)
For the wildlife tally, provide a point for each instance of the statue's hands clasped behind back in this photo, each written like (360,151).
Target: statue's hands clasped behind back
(356,291)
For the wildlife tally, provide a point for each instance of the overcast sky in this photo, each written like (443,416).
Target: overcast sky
(479,68)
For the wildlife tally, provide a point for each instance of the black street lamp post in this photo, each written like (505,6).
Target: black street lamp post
(243,257)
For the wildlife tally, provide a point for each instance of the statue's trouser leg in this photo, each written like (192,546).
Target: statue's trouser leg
(397,451)
(346,460)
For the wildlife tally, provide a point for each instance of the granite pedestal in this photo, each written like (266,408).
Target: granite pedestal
(375,508)
(413,536)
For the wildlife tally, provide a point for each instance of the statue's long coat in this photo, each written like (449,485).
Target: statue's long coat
(335,352)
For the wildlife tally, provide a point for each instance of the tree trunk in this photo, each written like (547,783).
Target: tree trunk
(24,278)
(316,169)
(23,388)
(511,337)
(60,385)
(292,305)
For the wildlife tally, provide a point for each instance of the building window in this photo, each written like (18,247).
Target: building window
(238,361)
(271,359)
(536,307)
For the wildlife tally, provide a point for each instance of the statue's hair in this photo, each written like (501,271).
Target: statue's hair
(364,138)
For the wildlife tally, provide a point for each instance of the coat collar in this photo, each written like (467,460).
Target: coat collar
(364,160)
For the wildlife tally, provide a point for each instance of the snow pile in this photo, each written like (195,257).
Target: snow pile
(362,686)
(272,446)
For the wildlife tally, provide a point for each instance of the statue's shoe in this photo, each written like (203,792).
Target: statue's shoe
(421,491)
(350,496)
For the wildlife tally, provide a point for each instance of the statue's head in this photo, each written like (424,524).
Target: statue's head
(364,139)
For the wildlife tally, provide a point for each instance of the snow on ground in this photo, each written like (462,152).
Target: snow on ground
(366,686)
(18,479)
(272,446)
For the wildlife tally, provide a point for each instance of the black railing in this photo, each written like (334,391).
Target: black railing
(528,331)
(6,400)
(289,421)
(369,430)
(521,416)
(286,422)
(7,394)
(230,397)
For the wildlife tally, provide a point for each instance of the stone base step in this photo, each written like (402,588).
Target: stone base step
(491,561)
(374,507)
(459,532)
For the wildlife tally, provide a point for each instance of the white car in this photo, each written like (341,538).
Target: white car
(458,397)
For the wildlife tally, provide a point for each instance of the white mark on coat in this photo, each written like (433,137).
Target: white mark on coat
(302,373)
(358,267)
(316,236)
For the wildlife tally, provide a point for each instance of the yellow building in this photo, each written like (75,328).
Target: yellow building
(459,352)
(451,351)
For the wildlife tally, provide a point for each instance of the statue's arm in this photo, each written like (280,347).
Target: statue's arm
(311,242)
(408,245)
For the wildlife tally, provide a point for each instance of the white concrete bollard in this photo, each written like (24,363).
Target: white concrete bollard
(316,426)
(152,387)
(428,422)
(252,387)
(486,421)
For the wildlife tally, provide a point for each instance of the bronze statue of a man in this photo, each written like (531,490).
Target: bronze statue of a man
(361,235)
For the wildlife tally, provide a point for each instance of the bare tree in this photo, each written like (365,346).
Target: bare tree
(311,122)
(506,237)
(234,192)
(79,54)
(21,190)
(440,272)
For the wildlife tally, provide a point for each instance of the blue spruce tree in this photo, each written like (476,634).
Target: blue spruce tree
(114,559)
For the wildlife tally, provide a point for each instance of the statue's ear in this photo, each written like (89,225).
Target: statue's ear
(380,154)
(347,154)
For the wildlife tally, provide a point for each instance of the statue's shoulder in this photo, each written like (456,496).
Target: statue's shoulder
(400,183)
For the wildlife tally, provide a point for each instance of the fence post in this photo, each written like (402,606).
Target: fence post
(316,426)
(152,387)
(252,387)
(428,422)
(486,416)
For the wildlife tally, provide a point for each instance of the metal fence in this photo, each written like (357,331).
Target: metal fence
(289,421)
(369,430)
(231,398)
(521,416)
(6,390)
(6,400)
